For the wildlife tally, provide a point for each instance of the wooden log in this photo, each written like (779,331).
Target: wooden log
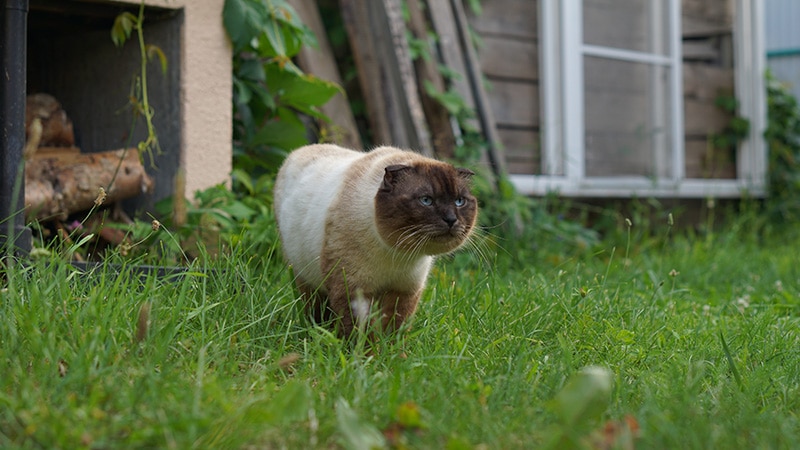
(56,128)
(320,62)
(59,184)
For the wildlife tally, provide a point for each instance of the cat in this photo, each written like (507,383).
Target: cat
(357,225)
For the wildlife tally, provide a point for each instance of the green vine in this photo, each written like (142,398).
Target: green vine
(736,130)
(124,25)
(783,140)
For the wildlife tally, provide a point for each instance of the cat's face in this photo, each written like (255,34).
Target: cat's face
(425,208)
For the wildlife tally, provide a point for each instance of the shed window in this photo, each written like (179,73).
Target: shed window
(612,109)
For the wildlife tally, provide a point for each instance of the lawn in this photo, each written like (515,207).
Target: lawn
(699,336)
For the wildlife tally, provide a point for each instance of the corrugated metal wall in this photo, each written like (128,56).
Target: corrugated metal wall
(783,41)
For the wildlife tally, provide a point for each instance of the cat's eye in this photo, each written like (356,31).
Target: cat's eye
(426,200)
(461,201)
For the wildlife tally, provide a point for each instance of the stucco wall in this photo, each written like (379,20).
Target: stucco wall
(206,87)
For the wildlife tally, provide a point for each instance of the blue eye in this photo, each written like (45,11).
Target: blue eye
(461,201)
(426,200)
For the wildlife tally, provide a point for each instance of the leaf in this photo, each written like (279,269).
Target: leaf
(408,415)
(243,178)
(300,91)
(121,30)
(585,396)
(252,69)
(729,358)
(274,38)
(357,433)
(242,20)
(241,92)
(286,134)
(154,50)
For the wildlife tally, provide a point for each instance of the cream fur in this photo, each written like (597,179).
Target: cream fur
(310,196)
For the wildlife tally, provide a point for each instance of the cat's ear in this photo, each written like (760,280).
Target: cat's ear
(391,175)
(465,173)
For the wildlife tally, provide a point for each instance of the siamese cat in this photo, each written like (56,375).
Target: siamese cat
(361,226)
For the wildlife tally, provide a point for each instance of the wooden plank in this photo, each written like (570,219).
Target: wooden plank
(699,27)
(699,50)
(320,62)
(705,82)
(376,34)
(704,161)
(482,106)
(444,24)
(515,103)
(427,71)
(450,23)
(703,117)
(712,10)
(522,150)
(511,18)
(402,64)
(509,58)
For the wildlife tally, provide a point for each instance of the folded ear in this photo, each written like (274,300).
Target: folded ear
(391,176)
(465,173)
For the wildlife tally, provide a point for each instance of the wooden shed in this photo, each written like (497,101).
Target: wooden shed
(586,98)
(620,98)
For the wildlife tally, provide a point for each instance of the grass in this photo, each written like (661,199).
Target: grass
(701,337)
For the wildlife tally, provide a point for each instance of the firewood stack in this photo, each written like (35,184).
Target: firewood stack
(59,179)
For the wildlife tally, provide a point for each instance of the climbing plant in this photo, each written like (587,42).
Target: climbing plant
(125,24)
(783,139)
(271,95)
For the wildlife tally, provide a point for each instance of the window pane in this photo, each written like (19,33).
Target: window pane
(639,25)
(626,118)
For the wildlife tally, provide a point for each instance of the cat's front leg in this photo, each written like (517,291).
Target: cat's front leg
(396,308)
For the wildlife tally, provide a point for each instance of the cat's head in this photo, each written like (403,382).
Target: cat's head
(425,207)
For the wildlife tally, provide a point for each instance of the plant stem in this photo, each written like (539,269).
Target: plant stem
(152,140)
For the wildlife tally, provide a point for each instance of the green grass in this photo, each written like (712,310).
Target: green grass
(701,336)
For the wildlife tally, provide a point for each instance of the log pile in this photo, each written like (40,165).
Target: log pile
(59,179)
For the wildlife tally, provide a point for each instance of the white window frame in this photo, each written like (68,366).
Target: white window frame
(562,110)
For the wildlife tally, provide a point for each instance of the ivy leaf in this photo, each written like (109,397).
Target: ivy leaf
(274,38)
(242,177)
(121,30)
(242,19)
(154,50)
(300,91)
(252,69)
(286,132)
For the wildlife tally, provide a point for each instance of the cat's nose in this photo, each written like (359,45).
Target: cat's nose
(450,219)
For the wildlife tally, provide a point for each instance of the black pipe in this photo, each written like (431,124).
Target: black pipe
(14,236)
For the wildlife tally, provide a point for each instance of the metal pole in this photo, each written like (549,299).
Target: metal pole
(14,236)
